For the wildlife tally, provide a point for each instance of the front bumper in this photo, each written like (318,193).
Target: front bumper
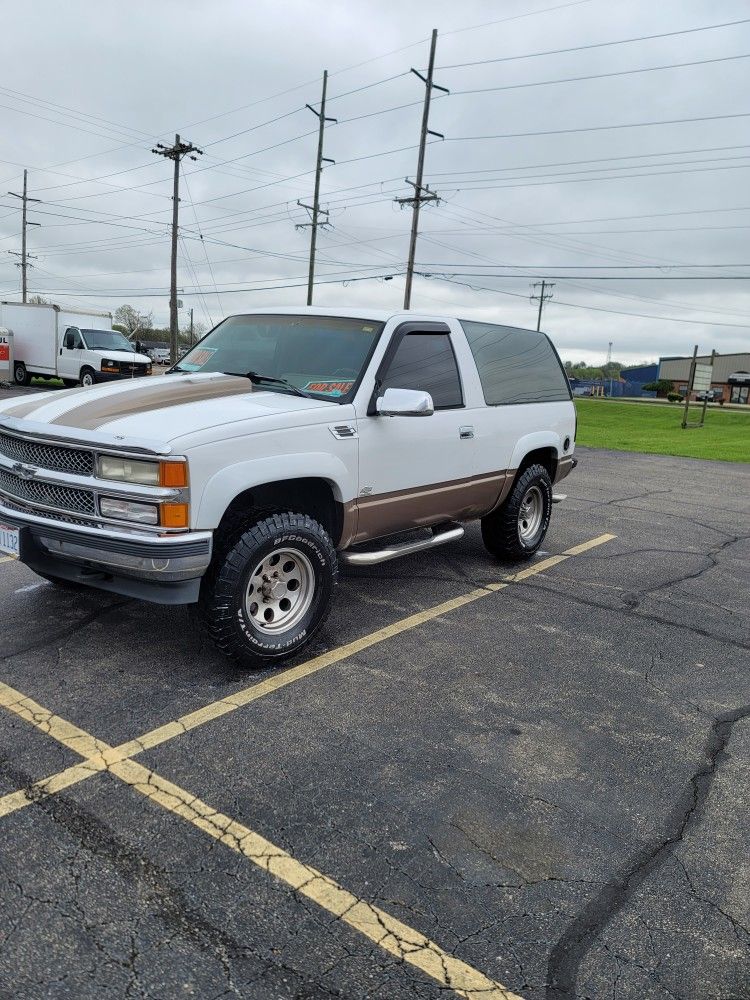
(117,376)
(162,569)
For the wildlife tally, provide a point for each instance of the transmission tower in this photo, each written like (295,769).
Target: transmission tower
(175,153)
(422,192)
(23,263)
(543,296)
(315,210)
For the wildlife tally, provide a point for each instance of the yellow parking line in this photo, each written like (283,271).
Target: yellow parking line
(14,801)
(7,559)
(379,926)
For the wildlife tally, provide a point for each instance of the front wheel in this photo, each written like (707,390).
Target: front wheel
(516,530)
(88,378)
(266,596)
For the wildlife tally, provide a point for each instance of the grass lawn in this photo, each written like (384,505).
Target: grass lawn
(605,423)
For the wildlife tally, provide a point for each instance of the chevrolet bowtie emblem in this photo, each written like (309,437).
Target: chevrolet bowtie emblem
(24,471)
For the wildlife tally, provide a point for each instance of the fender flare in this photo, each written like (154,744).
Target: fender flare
(532,442)
(226,484)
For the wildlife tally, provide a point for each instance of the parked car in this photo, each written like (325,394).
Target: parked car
(284,443)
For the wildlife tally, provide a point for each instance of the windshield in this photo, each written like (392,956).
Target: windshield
(323,355)
(106,340)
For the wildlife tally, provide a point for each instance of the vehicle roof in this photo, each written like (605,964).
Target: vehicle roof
(355,312)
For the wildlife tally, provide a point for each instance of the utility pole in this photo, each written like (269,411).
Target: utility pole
(175,153)
(315,210)
(421,192)
(24,262)
(543,296)
(191,326)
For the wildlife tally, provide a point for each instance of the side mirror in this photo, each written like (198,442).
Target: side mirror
(404,403)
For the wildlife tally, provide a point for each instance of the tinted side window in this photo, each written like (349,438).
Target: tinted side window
(515,366)
(426,361)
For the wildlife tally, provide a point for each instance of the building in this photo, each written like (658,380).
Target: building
(635,378)
(731,375)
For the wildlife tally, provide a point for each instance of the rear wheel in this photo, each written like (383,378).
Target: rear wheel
(20,375)
(88,378)
(515,531)
(270,590)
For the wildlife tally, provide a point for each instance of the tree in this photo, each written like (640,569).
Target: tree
(662,387)
(133,321)
(39,300)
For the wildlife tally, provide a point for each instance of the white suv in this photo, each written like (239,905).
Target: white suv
(286,442)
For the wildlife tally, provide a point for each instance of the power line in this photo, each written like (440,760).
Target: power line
(596,45)
(578,305)
(600,76)
(596,128)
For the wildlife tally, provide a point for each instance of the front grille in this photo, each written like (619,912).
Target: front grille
(48,514)
(47,456)
(132,369)
(64,497)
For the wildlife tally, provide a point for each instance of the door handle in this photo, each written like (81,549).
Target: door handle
(466,433)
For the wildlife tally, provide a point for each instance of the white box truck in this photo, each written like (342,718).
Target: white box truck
(51,341)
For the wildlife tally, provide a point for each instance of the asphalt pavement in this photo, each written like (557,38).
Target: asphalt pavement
(469,787)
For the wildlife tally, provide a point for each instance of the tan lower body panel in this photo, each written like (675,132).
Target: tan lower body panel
(457,500)
(564,468)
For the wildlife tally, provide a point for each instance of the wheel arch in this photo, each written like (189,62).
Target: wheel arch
(540,448)
(320,488)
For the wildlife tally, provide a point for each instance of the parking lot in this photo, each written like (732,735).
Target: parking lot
(478,786)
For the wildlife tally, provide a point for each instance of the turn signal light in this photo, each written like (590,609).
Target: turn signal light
(174,515)
(173,474)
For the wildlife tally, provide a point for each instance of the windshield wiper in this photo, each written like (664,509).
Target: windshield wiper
(257,379)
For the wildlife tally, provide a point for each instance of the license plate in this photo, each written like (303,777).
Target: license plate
(9,540)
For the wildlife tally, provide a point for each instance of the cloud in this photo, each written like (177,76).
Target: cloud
(89,88)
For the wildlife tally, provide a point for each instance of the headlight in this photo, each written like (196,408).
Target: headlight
(129,510)
(129,470)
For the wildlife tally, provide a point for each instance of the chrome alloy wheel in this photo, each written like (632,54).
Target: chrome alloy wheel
(530,514)
(280,591)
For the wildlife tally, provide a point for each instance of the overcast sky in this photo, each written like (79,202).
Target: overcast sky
(87,88)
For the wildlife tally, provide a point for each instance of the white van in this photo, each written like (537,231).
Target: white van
(77,347)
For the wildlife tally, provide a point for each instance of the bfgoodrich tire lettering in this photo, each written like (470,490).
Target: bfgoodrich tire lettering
(515,531)
(282,569)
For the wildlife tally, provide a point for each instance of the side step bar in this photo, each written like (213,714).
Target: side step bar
(451,534)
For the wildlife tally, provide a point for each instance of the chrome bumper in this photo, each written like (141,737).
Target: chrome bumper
(165,569)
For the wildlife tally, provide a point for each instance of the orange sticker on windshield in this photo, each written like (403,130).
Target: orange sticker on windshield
(329,388)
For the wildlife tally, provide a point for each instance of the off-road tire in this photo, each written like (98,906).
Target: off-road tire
(503,531)
(225,604)
(20,374)
(88,377)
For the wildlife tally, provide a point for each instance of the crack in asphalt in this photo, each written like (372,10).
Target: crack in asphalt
(165,901)
(571,949)
(64,633)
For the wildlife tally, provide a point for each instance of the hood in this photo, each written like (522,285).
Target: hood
(128,356)
(164,407)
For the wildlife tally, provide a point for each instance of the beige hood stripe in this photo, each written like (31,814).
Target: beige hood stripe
(28,405)
(174,391)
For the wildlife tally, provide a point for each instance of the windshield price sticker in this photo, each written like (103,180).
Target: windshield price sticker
(329,387)
(198,359)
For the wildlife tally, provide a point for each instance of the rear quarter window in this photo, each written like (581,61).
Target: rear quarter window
(515,365)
